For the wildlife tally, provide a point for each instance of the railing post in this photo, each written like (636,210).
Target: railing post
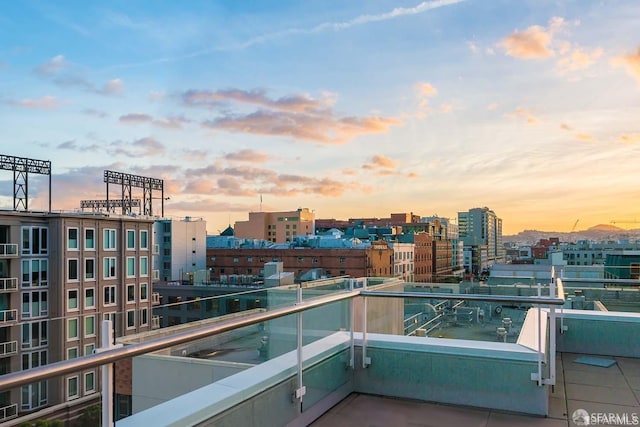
(107,375)
(366,361)
(539,337)
(552,334)
(301,390)
(352,324)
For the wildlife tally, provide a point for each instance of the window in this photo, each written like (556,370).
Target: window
(72,239)
(109,295)
(144,317)
(34,240)
(112,317)
(235,260)
(72,300)
(131,319)
(89,298)
(72,329)
(34,334)
(34,273)
(34,304)
(90,326)
(89,239)
(109,271)
(131,293)
(34,395)
(72,353)
(89,269)
(131,266)
(144,296)
(72,387)
(72,269)
(131,239)
(109,239)
(250,259)
(144,239)
(89,382)
(89,349)
(144,266)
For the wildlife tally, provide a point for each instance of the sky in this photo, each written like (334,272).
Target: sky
(350,109)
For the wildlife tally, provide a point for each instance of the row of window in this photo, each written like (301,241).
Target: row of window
(73,388)
(73,325)
(109,268)
(109,239)
(109,296)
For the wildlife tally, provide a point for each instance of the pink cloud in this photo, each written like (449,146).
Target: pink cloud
(292,103)
(135,118)
(45,103)
(534,42)
(631,63)
(247,155)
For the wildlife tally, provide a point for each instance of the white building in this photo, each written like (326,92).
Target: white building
(182,248)
(403,257)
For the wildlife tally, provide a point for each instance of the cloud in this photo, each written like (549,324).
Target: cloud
(138,148)
(321,128)
(247,155)
(135,118)
(112,87)
(492,106)
(579,59)
(631,63)
(630,138)
(74,146)
(383,165)
(175,122)
(446,108)
(565,126)
(52,66)
(94,112)
(584,137)
(426,90)
(412,175)
(45,103)
(534,42)
(293,103)
(473,47)
(523,113)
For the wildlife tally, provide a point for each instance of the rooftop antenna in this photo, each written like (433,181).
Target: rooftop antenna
(260,202)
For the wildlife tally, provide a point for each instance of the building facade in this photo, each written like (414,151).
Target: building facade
(481,227)
(276,227)
(182,248)
(60,276)
(239,265)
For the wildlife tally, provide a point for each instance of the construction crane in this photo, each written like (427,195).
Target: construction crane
(575,224)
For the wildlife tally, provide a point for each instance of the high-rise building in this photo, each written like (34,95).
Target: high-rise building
(61,274)
(481,227)
(277,227)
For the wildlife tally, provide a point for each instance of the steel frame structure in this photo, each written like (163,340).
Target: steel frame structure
(22,167)
(109,205)
(127,181)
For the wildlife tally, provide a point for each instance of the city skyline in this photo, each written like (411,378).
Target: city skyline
(434,107)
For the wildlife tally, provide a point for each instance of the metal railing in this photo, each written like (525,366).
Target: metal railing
(7,316)
(8,412)
(8,250)
(8,348)
(8,284)
(106,356)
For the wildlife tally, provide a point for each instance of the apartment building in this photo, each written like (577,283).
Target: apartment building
(403,260)
(60,275)
(478,228)
(276,227)
(235,265)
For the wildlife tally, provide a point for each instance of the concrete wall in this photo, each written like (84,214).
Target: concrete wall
(604,333)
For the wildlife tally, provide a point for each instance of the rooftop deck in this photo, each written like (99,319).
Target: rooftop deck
(615,389)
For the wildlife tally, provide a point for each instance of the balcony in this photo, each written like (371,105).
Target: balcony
(8,412)
(8,284)
(8,250)
(156,249)
(155,298)
(155,275)
(8,348)
(155,322)
(8,317)
(320,348)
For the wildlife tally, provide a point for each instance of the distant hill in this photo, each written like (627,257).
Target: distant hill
(598,232)
(605,227)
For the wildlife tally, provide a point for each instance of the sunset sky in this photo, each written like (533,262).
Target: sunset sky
(531,108)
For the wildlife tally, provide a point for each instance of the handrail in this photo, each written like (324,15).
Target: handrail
(21,378)
(466,297)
